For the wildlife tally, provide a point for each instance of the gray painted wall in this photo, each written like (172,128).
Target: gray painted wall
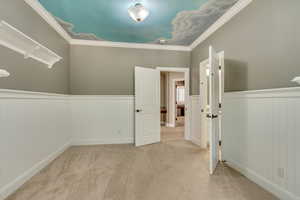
(28,74)
(261,44)
(110,71)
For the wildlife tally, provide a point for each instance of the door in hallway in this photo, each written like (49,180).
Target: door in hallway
(213,122)
(147,106)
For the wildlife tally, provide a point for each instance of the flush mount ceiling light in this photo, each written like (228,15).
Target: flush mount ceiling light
(138,12)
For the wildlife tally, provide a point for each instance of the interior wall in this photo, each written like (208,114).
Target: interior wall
(102,119)
(35,128)
(110,70)
(261,47)
(29,74)
(261,135)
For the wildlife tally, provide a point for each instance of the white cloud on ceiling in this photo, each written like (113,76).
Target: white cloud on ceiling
(189,25)
(69,28)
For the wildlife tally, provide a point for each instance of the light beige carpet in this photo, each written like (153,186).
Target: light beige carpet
(171,170)
(176,133)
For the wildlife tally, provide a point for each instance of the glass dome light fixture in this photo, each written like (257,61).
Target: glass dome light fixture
(138,12)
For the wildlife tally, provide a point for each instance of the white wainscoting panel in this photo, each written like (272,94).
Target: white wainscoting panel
(34,131)
(261,138)
(102,119)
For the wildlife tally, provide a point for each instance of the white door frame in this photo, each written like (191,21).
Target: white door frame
(186,72)
(222,90)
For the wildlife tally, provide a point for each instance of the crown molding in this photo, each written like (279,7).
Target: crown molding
(239,6)
(233,11)
(36,5)
(129,45)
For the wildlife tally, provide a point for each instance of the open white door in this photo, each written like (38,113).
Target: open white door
(147,106)
(213,122)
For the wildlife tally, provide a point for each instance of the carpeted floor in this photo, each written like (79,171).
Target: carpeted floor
(171,170)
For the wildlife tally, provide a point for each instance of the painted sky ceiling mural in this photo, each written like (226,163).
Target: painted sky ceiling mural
(178,22)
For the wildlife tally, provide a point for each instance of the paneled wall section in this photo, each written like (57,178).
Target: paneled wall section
(261,138)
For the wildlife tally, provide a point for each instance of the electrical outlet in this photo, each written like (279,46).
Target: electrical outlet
(280,172)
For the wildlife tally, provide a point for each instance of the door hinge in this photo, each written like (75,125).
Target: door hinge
(211,116)
(220,67)
(220,105)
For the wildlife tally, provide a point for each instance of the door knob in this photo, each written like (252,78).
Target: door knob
(138,110)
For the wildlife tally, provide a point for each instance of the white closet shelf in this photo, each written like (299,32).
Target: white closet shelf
(4,73)
(14,39)
(296,79)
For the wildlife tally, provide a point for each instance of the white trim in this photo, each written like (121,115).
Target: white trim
(36,5)
(173,69)
(170,125)
(129,45)
(83,142)
(18,41)
(197,142)
(264,183)
(22,94)
(238,7)
(20,180)
(102,97)
(267,93)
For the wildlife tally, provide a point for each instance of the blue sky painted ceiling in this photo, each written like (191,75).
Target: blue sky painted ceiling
(179,22)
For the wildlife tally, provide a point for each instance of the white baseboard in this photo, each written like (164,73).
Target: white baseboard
(266,184)
(170,125)
(196,141)
(20,180)
(98,142)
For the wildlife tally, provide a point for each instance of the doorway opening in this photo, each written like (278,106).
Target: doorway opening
(148,108)
(172,105)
